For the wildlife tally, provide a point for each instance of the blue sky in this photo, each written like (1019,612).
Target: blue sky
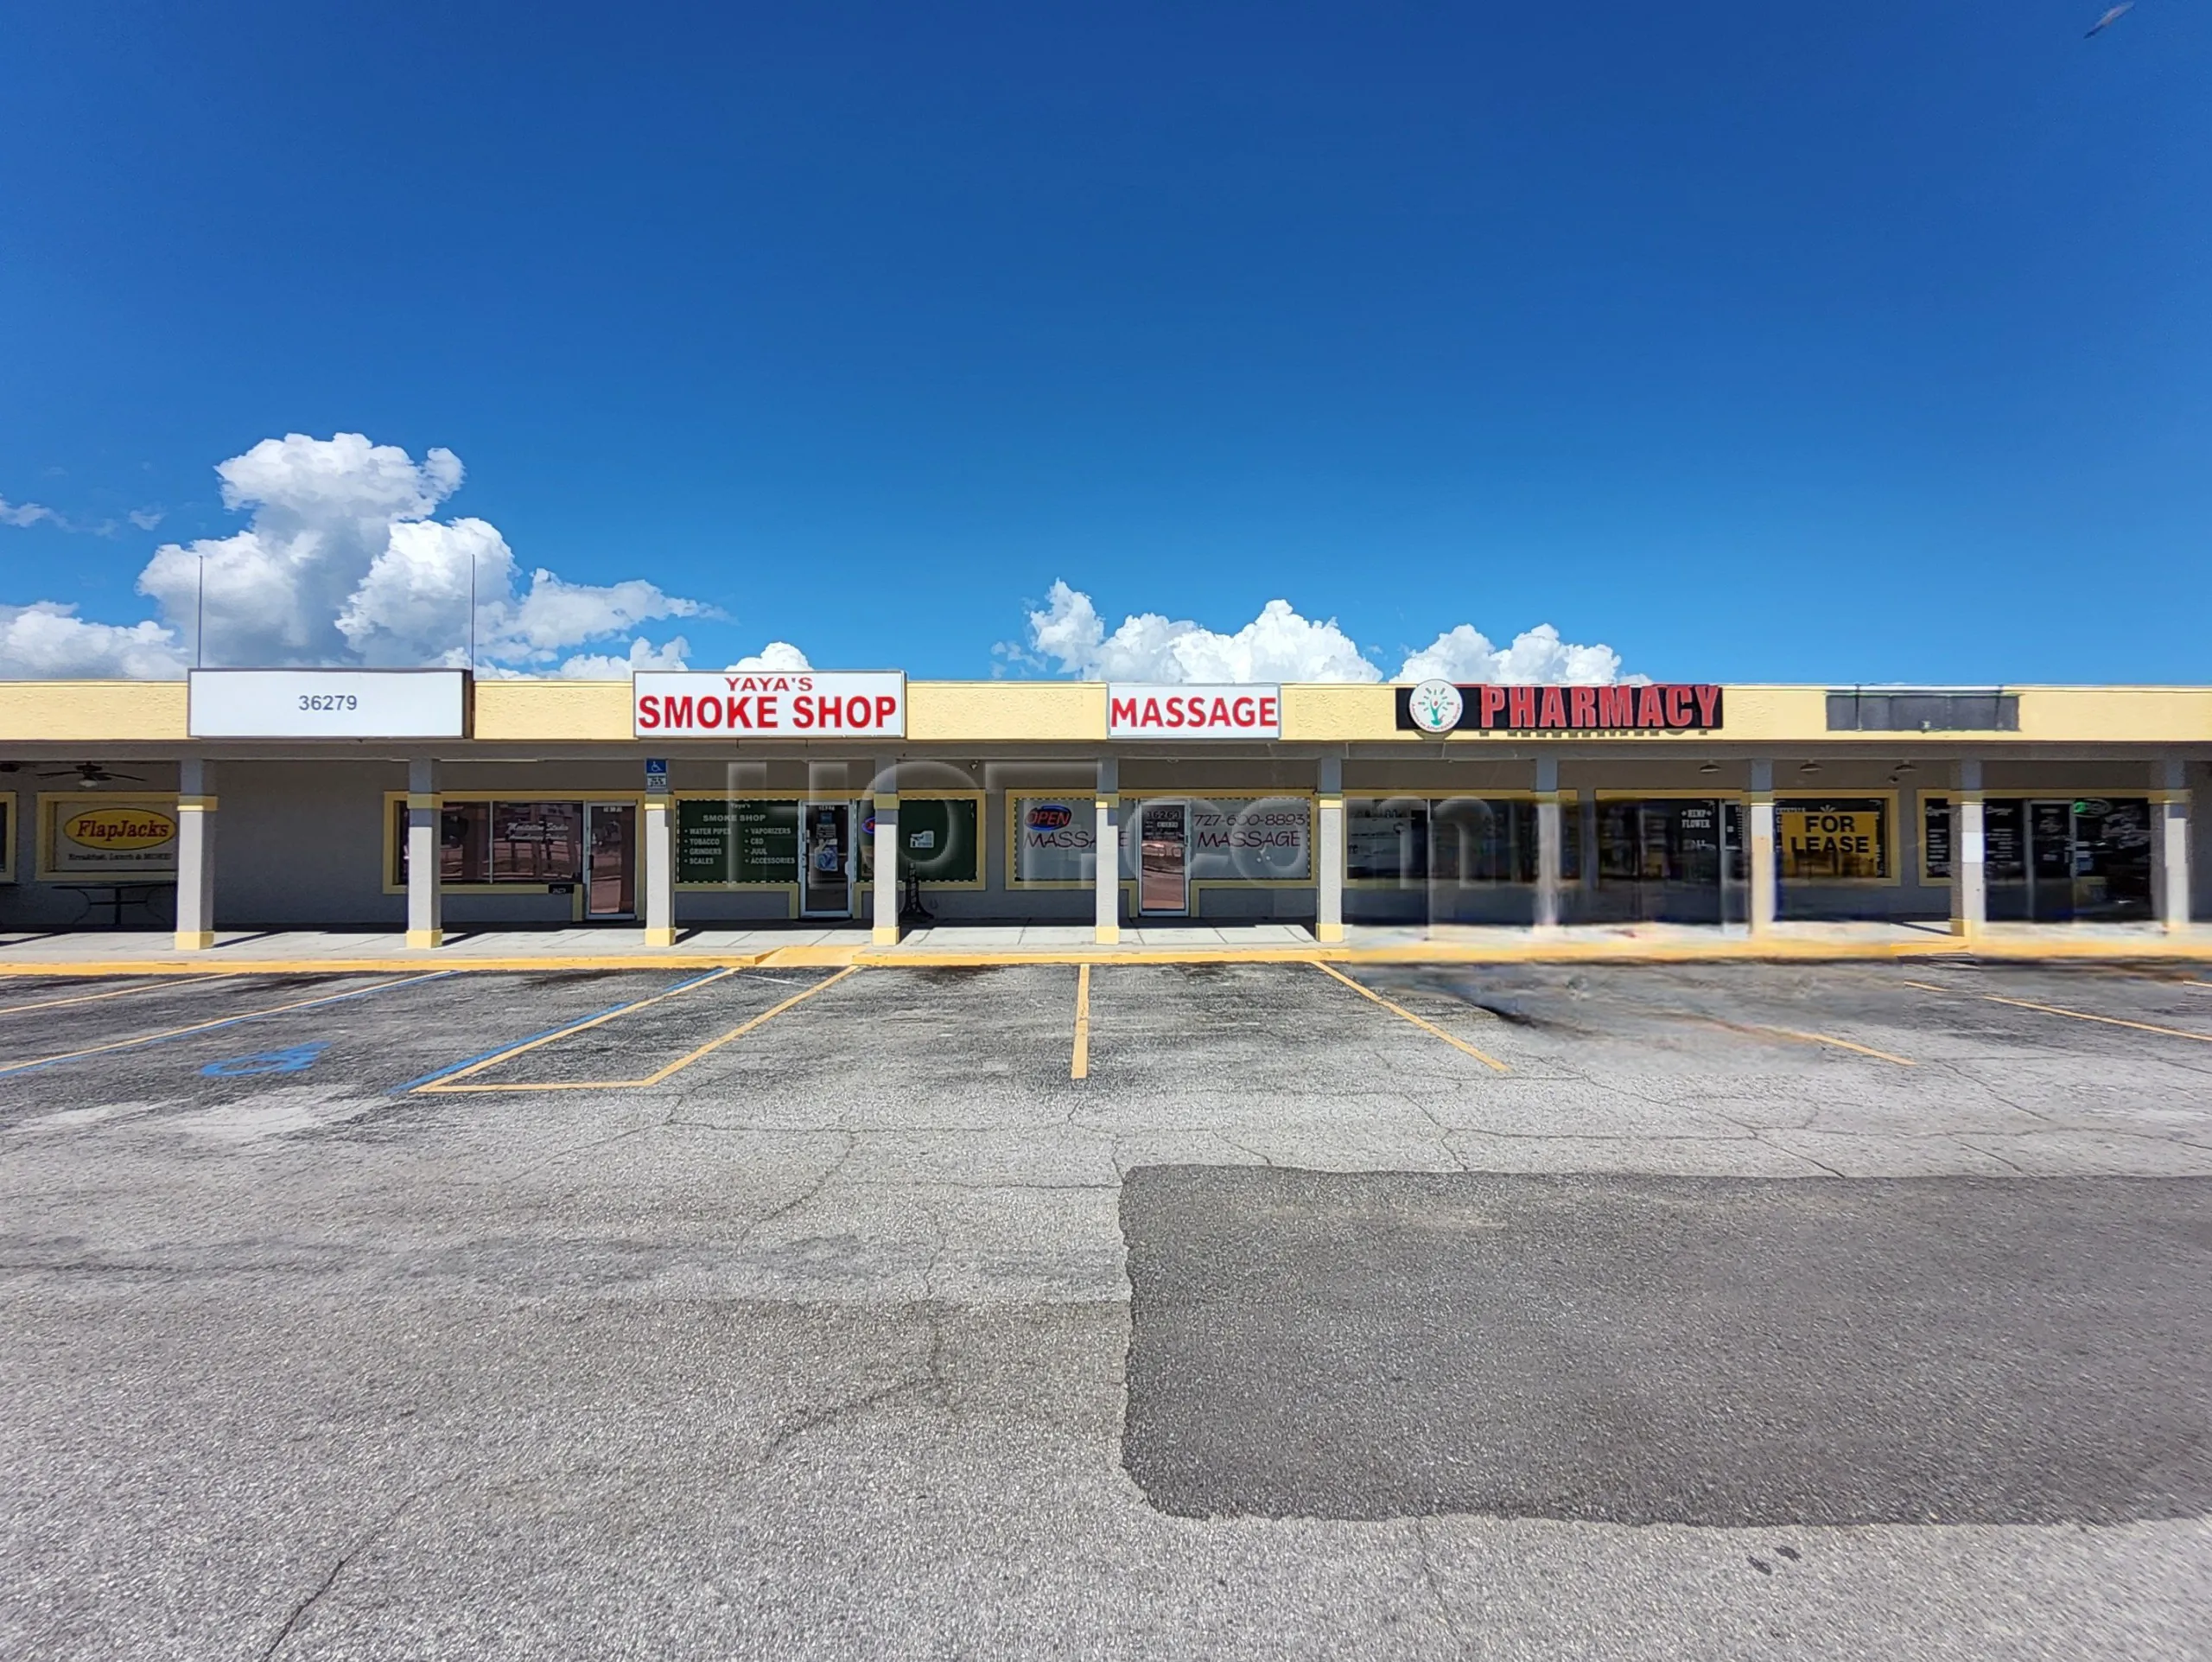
(1796,343)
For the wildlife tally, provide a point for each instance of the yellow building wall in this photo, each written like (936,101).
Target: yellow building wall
(48,712)
(537,712)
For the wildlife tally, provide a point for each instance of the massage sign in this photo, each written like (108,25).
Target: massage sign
(1657,707)
(762,704)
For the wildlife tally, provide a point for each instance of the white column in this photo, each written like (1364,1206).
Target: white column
(195,856)
(1108,804)
(1329,852)
(656,825)
(1547,843)
(425,893)
(1766,887)
(885,932)
(1969,873)
(2170,845)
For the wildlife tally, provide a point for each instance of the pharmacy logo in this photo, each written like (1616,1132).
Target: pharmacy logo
(1436,706)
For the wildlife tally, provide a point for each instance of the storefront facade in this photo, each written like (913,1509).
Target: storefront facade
(252,799)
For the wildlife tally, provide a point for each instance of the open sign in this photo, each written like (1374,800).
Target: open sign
(1049,816)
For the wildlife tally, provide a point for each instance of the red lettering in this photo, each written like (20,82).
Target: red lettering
(1152,713)
(1220,715)
(857,711)
(1678,706)
(711,712)
(806,683)
(1554,713)
(1244,712)
(1585,702)
(648,710)
(765,709)
(886,707)
(1267,716)
(1708,704)
(1650,711)
(1616,706)
(802,711)
(1521,706)
(1174,709)
(1124,713)
(831,711)
(1493,702)
(679,712)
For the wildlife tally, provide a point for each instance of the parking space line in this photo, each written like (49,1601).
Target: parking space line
(1401,1011)
(1080,1067)
(1763,1029)
(459,1084)
(119,992)
(2077,1014)
(221,1022)
(2109,1021)
(461,1070)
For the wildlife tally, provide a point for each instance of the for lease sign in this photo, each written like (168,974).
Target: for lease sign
(1137,710)
(752,704)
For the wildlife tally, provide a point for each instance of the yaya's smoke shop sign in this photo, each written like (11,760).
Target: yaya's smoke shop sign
(759,704)
(1659,707)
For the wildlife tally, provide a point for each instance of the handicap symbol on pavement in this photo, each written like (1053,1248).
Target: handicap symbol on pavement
(294,1061)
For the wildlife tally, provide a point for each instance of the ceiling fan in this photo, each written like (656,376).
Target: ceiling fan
(89,775)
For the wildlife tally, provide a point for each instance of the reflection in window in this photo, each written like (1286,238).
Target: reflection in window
(500,842)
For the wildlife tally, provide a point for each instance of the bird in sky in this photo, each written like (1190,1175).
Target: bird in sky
(2110,18)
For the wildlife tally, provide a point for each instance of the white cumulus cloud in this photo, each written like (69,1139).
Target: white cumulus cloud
(344,561)
(1281,645)
(48,641)
(779,656)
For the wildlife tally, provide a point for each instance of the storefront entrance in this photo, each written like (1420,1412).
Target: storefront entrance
(2056,859)
(825,884)
(1163,862)
(1671,860)
(611,872)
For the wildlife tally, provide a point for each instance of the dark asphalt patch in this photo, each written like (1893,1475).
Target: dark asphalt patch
(1709,1351)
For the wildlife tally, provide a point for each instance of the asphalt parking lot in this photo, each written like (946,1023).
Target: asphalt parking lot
(1240,1310)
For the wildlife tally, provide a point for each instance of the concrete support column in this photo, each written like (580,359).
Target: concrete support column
(885,932)
(1969,855)
(1107,804)
(656,825)
(1329,852)
(2170,849)
(195,856)
(425,891)
(1766,887)
(1549,840)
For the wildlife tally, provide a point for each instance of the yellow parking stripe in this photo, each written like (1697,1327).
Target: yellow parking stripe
(120,992)
(1401,1011)
(1080,1068)
(447,1082)
(451,1085)
(1761,1029)
(2109,1021)
(2078,1014)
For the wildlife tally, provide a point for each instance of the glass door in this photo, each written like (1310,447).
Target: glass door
(611,870)
(1163,881)
(825,882)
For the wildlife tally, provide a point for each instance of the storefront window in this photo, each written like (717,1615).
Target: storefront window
(1668,841)
(1386,840)
(1472,841)
(1842,839)
(500,842)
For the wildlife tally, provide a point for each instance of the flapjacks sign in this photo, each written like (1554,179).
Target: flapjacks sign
(1658,707)
(768,705)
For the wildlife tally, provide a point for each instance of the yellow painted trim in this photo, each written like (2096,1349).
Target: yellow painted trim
(660,937)
(425,940)
(1328,932)
(195,805)
(195,941)
(430,801)
(1106,934)
(886,802)
(879,936)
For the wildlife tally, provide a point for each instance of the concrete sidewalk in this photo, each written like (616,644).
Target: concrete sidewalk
(265,952)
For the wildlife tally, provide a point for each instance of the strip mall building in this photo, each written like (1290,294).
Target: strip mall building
(279,799)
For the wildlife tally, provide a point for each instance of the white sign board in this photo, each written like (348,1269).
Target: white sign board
(1136,710)
(763,704)
(327,704)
